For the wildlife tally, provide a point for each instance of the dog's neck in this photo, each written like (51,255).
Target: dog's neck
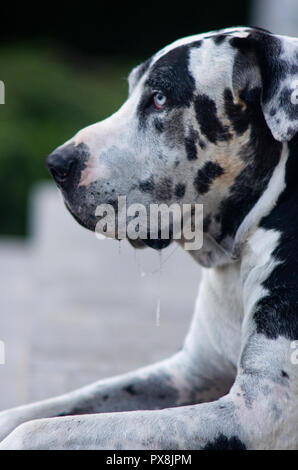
(218,250)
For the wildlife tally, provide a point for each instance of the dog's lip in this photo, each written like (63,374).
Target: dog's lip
(158,244)
(155,244)
(139,243)
(77,219)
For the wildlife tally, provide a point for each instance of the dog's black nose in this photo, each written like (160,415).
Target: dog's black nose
(62,161)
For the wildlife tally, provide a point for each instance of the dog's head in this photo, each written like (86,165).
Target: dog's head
(203,123)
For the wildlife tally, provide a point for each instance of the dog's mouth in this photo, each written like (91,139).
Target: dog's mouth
(155,244)
(158,244)
(89,225)
(139,243)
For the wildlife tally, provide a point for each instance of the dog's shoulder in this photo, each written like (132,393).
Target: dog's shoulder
(277,312)
(283,216)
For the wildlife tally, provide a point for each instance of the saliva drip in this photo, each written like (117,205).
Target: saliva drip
(157,315)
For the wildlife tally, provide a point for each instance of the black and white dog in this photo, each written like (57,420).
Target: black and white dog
(210,119)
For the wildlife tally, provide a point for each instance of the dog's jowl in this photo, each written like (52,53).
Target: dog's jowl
(211,119)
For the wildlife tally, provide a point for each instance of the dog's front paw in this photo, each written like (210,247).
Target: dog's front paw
(9,420)
(24,437)
(12,419)
(15,440)
(39,434)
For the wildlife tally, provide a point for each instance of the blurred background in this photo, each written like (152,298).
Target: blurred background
(73,308)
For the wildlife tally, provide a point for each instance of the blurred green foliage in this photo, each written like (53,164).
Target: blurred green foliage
(49,96)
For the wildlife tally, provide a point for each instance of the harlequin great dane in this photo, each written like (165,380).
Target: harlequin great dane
(210,119)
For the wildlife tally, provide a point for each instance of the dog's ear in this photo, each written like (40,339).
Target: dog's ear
(270,62)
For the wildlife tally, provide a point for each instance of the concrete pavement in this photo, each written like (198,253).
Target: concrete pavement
(74,309)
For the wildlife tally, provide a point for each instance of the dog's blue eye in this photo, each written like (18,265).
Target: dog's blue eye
(159,100)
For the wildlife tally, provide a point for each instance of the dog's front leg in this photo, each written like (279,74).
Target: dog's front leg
(169,383)
(191,427)
(260,412)
(199,373)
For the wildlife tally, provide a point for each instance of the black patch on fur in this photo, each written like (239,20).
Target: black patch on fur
(290,131)
(147,186)
(162,396)
(202,144)
(190,145)
(130,389)
(238,116)
(268,317)
(196,44)
(210,125)
(260,156)
(169,75)
(273,112)
(223,442)
(219,38)
(158,124)
(285,103)
(206,223)
(180,190)
(277,314)
(206,175)
(164,189)
(284,374)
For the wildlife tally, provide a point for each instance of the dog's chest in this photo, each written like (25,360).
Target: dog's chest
(225,310)
(219,311)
